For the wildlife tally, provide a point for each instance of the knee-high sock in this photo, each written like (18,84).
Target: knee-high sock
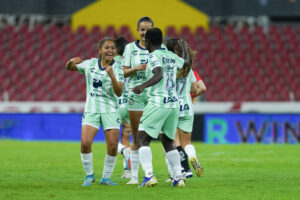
(174,159)
(170,169)
(183,158)
(109,165)
(87,163)
(120,147)
(190,150)
(145,155)
(135,163)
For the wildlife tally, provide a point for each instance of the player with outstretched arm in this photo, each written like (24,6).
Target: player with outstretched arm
(104,78)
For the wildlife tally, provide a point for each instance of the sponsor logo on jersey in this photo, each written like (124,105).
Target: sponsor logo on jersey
(122,101)
(184,107)
(136,52)
(170,99)
(167,60)
(144,61)
(97,83)
(151,127)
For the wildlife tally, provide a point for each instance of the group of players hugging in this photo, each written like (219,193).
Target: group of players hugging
(146,87)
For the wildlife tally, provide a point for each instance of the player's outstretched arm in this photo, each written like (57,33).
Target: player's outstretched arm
(130,71)
(71,64)
(198,88)
(185,54)
(117,86)
(157,76)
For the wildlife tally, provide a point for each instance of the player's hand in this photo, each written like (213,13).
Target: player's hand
(141,67)
(138,89)
(109,70)
(75,60)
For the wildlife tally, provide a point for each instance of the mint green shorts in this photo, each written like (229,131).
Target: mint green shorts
(137,102)
(186,123)
(156,120)
(124,115)
(107,120)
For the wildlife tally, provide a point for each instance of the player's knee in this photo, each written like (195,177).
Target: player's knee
(112,147)
(168,146)
(86,146)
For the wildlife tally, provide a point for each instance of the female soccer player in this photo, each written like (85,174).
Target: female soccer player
(104,80)
(162,111)
(123,146)
(134,65)
(186,84)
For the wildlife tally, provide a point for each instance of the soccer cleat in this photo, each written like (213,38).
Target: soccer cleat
(169,180)
(187,174)
(134,181)
(178,183)
(107,181)
(196,165)
(126,174)
(149,182)
(88,180)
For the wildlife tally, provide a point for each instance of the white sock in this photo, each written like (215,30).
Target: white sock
(170,170)
(126,152)
(120,147)
(145,155)
(87,163)
(135,163)
(109,165)
(174,160)
(190,150)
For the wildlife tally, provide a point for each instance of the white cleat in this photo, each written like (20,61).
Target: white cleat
(126,174)
(134,181)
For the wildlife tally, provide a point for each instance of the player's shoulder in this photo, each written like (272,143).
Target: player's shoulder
(131,44)
(89,61)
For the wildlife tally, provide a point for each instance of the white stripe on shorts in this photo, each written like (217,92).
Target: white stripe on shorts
(91,125)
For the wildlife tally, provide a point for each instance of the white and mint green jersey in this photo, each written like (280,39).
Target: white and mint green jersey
(122,100)
(100,96)
(163,94)
(183,88)
(135,55)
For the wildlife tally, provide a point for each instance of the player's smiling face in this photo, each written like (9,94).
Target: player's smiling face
(143,27)
(107,51)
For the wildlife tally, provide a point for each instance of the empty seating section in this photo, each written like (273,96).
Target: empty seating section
(236,65)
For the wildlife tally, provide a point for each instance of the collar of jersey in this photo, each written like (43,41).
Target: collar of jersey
(138,45)
(99,64)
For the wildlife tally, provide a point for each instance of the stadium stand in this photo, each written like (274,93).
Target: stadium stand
(237,65)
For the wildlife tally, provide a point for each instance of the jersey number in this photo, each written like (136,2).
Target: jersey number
(170,82)
(182,84)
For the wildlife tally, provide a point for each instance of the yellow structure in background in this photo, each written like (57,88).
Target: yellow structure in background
(164,13)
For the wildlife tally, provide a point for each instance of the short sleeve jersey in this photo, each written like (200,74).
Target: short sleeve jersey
(163,94)
(135,55)
(100,96)
(183,88)
(122,100)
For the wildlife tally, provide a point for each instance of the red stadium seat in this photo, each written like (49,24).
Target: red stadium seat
(258,65)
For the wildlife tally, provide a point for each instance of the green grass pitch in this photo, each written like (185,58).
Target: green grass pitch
(53,170)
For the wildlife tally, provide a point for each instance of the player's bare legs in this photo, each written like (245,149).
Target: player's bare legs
(134,117)
(87,136)
(112,138)
(145,156)
(124,149)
